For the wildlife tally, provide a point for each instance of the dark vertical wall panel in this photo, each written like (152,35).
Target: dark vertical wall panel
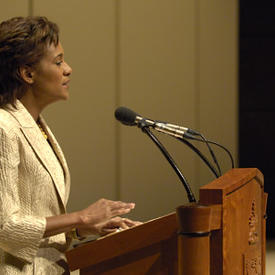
(257,88)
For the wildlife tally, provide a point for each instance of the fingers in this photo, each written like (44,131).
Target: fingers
(104,216)
(121,204)
(115,207)
(118,208)
(118,224)
(131,223)
(104,209)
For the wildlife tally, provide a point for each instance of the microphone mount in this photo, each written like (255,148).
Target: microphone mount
(145,128)
(130,118)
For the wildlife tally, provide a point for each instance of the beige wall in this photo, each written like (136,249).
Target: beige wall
(168,60)
(13,8)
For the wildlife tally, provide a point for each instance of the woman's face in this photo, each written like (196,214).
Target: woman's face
(51,76)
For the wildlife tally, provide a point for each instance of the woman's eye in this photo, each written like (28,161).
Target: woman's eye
(59,63)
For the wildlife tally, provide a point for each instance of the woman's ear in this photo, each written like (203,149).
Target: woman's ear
(27,74)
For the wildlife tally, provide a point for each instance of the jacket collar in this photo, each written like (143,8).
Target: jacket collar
(43,150)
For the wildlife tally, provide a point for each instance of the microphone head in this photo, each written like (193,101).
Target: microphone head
(126,116)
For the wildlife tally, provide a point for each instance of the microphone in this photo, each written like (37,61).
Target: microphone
(130,118)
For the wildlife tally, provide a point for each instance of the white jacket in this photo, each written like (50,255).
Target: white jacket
(34,184)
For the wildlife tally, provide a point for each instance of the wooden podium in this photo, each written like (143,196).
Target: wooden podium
(223,234)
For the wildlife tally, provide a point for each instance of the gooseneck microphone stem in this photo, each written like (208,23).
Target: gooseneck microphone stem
(130,118)
(198,152)
(146,130)
(211,152)
(221,146)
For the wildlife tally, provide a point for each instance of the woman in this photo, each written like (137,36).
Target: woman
(35,229)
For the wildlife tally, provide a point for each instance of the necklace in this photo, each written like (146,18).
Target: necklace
(42,131)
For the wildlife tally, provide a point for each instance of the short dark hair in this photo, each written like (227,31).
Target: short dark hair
(23,42)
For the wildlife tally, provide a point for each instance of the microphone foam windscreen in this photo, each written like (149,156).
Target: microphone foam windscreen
(125,116)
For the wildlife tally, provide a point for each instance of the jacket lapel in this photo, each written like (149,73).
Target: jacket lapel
(59,154)
(48,156)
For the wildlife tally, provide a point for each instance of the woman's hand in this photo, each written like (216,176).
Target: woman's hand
(108,226)
(102,218)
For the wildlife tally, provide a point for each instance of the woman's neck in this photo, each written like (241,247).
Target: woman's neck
(31,104)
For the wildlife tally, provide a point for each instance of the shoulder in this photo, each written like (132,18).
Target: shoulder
(9,137)
(8,123)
